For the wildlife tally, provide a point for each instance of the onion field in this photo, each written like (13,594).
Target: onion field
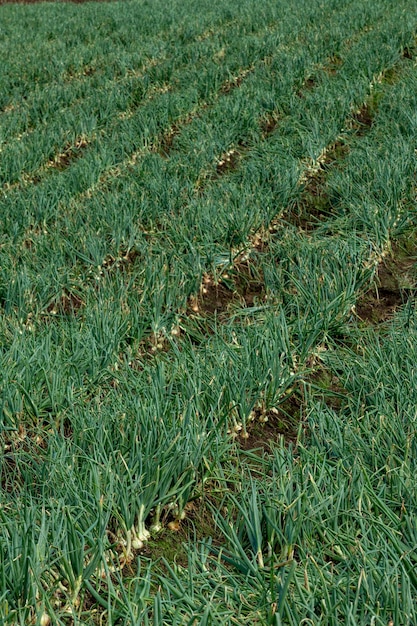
(208,329)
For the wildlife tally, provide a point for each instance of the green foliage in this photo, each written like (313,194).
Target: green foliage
(194,199)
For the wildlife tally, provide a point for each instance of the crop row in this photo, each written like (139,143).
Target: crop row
(68,40)
(117,91)
(117,98)
(138,75)
(58,391)
(154,183)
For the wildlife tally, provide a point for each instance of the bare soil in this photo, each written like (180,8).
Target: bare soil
(245,286)
(67,304)
(269,124)
(363,119)
(268,428)
(379,304)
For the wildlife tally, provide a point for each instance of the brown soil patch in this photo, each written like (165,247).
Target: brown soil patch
(89,70)
(267,428)
(215,298)
(249,282)
(309,84)
(71,153)
(313,206)
(232,84)
(150,346)
(244,286)
(68,304)
(235,82)
(269,124)
(89,608)
(379,304)
(228,162)
(66,428)
(363,120)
